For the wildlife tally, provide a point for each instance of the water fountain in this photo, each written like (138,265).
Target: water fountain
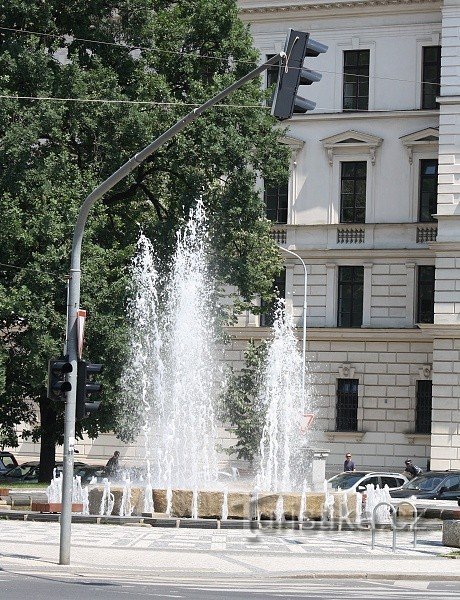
(284,402)
(168,390)
(80,501)
(173,364)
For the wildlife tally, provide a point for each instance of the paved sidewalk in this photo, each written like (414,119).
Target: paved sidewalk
(148,551)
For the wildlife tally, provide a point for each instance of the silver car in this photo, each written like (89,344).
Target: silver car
(356,481)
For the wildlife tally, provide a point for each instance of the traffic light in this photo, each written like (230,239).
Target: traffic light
(86,406)
(57,384)
(292,74)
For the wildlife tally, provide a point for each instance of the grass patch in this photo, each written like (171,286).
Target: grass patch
(453,554)
(24,485)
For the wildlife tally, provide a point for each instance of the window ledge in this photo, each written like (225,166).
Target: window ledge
(345,436)
(418,438)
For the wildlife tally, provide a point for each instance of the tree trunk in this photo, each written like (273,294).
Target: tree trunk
(48,440)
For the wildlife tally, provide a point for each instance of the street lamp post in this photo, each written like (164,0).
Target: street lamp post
(304,333)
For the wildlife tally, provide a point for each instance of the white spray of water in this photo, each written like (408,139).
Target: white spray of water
(224,511)
(195,504)
(126,507)
(169,501)
(172,374)
(303,503)
(279,509)
(284,402)
(107,499)
(140,384)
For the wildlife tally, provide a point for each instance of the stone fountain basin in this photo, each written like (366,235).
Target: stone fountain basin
(239,504)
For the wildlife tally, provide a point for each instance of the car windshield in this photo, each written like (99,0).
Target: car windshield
(20,471)
(344,481)
(8,461)
(424,483)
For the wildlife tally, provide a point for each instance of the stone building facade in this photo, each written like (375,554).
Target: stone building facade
(380,241)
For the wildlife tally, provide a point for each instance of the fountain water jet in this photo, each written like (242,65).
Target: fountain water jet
(172,365)
(284,401)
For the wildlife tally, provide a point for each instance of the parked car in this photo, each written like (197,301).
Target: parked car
(7,461)
(434,485)
(356,481)
(90,472)
(28,472)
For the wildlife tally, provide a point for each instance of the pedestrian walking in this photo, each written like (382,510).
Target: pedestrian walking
(348,465)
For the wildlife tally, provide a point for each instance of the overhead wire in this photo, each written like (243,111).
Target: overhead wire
(113,101)
(21,268)
(326,109)
(203,56)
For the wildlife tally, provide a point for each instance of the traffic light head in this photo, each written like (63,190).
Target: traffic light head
(292,74)
(86,388)
(57,372)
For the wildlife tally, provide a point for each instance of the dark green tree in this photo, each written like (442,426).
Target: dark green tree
(241,408)
(150,60)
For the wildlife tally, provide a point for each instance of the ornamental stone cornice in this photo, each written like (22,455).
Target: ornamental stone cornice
(340,334)
(440,330)
(264,7)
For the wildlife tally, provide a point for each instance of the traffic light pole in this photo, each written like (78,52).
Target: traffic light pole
(74,292)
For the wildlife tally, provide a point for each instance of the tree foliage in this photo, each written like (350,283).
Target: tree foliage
(240,403)
(53,153)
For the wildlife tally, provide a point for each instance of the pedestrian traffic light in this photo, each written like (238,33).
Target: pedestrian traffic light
(292,74)
(57,384)
(86,406)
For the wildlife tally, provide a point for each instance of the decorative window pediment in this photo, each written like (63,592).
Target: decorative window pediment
(350,142)
(425,139)
(294,143)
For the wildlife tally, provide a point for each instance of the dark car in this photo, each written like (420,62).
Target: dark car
(434,485)
(91,473)
(7,461)
(28,472)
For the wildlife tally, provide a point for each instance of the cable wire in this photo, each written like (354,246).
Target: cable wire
(110,101)
(203,56)
(54,273)
(325,109)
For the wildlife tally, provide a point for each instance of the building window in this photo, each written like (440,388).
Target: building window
(423,406)
(425,294)
(347,405)
(353,192)
(271,78)
(428,190)
(276,203)
(431,76)
(356,79)
(267,318)
(350,297)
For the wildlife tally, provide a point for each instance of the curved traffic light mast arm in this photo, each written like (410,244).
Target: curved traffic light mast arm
(74,290)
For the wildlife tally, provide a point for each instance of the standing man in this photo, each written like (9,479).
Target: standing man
(348,465)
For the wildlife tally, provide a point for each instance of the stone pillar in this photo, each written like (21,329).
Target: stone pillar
(367,292)
(331,295)
(318,471)
(410,291)
(445,439)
